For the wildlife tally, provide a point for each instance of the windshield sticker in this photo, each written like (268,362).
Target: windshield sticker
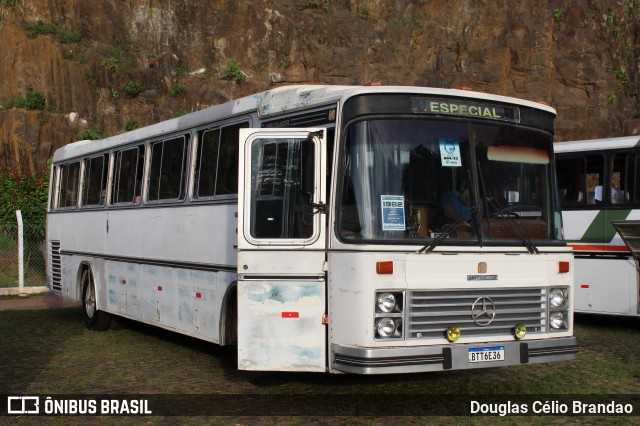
(450,153)
(392,212)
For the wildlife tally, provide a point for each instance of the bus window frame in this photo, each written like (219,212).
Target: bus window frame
(187,137)
(584,156)
(608,156)
(104,184)
(196,153)
(113,180)
(60,182)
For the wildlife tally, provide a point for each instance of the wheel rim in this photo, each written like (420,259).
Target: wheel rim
(89,299)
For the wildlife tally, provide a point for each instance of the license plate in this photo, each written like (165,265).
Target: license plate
(494,353)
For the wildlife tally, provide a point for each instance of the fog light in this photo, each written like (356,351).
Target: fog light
(453,333)
(556,320)
(520,331)
(386,327)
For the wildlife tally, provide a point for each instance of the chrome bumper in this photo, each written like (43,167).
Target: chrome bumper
(359,360)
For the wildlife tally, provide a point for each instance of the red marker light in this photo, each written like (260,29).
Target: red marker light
(384,268)
(563,267)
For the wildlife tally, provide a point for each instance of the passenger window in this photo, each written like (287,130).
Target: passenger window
(217,162)
(69,180)
(94,190)
(624,186)
(167,180)
(580,180)
(127,176)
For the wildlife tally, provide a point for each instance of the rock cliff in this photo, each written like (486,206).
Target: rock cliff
(107,66)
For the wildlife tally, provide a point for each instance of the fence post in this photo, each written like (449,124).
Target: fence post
(20,252)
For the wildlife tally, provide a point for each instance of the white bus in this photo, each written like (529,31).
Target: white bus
(600,186)
(327,228)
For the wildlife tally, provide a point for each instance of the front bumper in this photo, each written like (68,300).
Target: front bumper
(350,359)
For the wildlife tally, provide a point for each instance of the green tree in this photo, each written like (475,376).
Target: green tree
(26,191)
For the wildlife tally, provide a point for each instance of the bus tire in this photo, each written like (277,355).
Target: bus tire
(93,318)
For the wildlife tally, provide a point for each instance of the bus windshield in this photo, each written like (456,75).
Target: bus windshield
(412,181)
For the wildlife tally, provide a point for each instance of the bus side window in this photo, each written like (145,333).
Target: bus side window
(127,176)
(95,181)
(623,178)
(167,177)
(227,172)
(595,179)
(69,181)
(217,162)
(630,178)
(571,180)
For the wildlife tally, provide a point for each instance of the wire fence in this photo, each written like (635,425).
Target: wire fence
(34,258)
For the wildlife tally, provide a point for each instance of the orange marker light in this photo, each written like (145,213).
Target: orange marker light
(384,268)
(563,267)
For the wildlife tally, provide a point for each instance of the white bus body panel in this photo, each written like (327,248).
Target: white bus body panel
(606,286)
(169,267)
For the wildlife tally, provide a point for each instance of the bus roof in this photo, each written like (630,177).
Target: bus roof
(280,100)
(597,144)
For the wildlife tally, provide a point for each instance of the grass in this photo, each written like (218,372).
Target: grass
(50,352)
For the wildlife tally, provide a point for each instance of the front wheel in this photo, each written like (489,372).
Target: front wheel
(93,318)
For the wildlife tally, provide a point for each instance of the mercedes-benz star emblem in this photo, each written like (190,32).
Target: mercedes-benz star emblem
(483,311)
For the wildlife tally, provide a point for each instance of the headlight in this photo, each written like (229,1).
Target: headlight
(557,297)
(556,320)
(386,302)
(386,327)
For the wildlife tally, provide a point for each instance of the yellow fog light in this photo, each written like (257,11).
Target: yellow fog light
(453,333)
(520,331)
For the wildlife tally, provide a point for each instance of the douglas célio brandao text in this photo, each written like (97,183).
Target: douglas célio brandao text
(574,407)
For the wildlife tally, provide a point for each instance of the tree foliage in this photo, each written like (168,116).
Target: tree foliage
(26,191)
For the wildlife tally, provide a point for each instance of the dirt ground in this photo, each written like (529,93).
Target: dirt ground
(44,301)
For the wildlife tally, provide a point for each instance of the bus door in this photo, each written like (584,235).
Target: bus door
(281,250)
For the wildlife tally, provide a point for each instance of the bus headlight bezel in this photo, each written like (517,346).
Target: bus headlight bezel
(557,297)
(388,315)
(388,328)
(386,302)
(557,320)
(558,309)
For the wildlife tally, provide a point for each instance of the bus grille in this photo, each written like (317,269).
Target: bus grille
(430,313)
(56,267)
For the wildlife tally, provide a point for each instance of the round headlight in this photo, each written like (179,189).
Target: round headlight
(556,320)
(520,331)
(557,297)
(453,333)
(386,327)
(386,302)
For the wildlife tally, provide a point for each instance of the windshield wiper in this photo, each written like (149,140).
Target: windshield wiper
(444,234)
(526,241)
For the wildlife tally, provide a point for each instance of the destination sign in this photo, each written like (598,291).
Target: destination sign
(465,109)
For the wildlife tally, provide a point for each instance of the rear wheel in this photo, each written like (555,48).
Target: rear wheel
(93,318)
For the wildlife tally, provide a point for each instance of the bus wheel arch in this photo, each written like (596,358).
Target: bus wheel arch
(229,317)
(94,318)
